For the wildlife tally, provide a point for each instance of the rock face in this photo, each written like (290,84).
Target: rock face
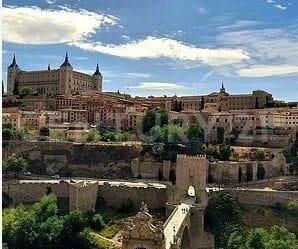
(70,159)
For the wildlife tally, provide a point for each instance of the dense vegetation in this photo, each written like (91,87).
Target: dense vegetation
(172,138)
(277,237)
(8,133)
(291,155)
(40,226)
(15,164)
(97,135)
(225,219)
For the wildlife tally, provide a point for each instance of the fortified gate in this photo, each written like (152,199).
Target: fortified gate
(184,227)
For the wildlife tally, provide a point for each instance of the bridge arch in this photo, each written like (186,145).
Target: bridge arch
(191,191)
(185,240)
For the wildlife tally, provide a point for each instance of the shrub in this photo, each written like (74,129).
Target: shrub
(97,222)
(278,207)
(293,208)
(127,207)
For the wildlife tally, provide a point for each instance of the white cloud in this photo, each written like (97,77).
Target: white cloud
(157,86)
(279,6)
(275,4)
(268,70)
(33,25)
(265,45)
(137,75)
(202,10)
(50,2)
(240,24)
(153,47)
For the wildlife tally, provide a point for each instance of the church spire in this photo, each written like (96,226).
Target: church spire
(14,62)
(66,62)
(97,70)
(222,89)
(49,66)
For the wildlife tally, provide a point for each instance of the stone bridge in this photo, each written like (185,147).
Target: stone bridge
(177,226)
(184,227)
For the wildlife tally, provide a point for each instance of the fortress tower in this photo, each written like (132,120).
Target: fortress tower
(98,78)
(12,73)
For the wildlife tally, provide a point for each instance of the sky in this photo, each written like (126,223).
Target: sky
(160,47)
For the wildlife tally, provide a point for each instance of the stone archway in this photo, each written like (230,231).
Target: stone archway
(185,240)
(249,173)
(191,191)
(239,175)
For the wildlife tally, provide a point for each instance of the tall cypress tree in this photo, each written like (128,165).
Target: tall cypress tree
(16,88)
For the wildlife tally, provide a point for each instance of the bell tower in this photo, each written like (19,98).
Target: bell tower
(66,77)
(12,73)
(97,76)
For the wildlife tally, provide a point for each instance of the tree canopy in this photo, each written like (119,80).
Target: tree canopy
(277,237)
(15,164)
(223,217)
(154,118)
(40,226)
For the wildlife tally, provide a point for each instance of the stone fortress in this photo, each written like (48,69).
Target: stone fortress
(185,201)
(51,82)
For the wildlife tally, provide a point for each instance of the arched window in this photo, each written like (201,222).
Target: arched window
(191,191)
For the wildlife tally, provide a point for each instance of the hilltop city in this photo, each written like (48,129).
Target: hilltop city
(99,169)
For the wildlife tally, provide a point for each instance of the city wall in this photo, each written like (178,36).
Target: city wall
(72,159)
(30,192)
(115,196)
(84,196)
(264,197)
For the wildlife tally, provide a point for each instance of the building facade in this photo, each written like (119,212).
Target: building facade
(64,80)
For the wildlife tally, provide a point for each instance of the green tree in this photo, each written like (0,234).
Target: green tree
(159,176)
(255,239)
(39,227)
(224,152)
(15,90)
(277,237)
(291,155)
(97,222)
(195,138)
(7,134)
(224,215)
(153,118)
(57,135)
(93,136)
(44,131)
(236,241)
(292,208)
(220,135)
(24,91)
(15,164)
(261,172)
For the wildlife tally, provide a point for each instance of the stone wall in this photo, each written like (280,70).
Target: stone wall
(264,197)
(65,158)
(28,192)
(115,196)
(149,168)
(265,140)
(83,196)
(230,171)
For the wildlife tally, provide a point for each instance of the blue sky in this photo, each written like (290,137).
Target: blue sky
(161,47)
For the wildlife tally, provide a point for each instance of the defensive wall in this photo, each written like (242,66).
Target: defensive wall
(113,195)
(83,195)
(68,158)
(237,171)
(126,161)
(262,196)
